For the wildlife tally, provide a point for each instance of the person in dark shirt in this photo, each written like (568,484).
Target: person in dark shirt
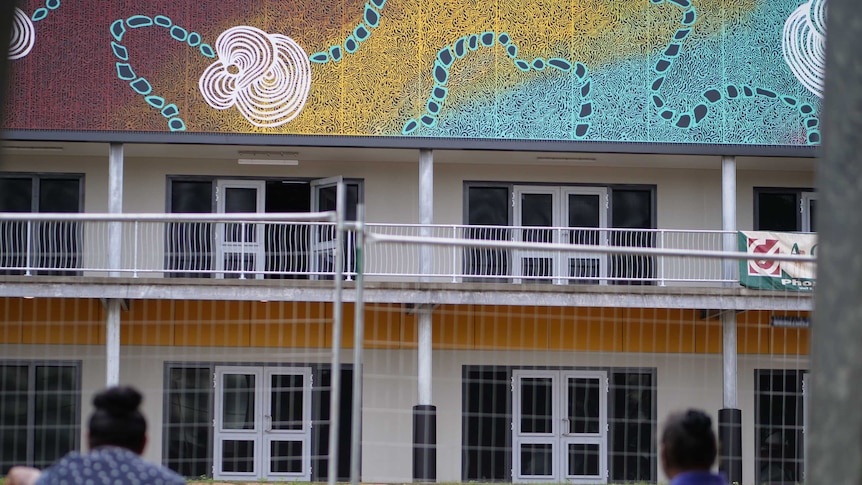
(117,436)
(689,448)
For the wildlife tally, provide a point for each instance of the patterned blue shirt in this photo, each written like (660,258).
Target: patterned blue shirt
(107,466)
(698,478)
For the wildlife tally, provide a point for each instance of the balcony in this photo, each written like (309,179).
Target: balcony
(302,246)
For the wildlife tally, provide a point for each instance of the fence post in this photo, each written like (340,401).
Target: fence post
(28,251)
(135,253)
(661,281)
(454,256)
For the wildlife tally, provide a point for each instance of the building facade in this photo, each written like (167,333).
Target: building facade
(173,150)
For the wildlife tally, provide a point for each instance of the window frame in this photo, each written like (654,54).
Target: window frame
(797,192)
(798,428)
(36,177)
(31,366)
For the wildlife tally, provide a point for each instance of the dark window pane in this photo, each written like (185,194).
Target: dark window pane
(56,413)
(286,456)
(584,210)
(582,402)
(583,460)
(286,402)
(238,399)
(59,195)
(488,206)
(191,196)
(238,456)
(778,426)
(188,423)
(812,215)
(240,200)
(16,194)
(487,424)
(320,425)
(327,199)
(537,459)
(537,210)
(632,208)
(632,423)
(777,211)
(287,196)
(13,416)
(536,405)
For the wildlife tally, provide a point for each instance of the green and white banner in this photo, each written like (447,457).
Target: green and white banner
(768,274)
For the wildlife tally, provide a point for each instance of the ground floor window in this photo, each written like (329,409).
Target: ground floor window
(779,425)
(253,422)
(556,425)
(39,412)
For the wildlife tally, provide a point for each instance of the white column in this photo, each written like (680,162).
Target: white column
(728,318)
(426,217)
(115,243)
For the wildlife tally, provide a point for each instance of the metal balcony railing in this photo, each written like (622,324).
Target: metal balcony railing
(301,246)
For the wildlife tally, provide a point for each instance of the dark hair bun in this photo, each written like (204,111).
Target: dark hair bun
(118,401)
(697,422)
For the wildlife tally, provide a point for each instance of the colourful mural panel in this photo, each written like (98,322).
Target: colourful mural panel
(746,72)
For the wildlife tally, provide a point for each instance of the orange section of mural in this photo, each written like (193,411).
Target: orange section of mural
(394,326)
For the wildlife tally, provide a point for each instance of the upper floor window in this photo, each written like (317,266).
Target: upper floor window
(25,247)
(231,250)
(783,209)
(593,215)
(39,413)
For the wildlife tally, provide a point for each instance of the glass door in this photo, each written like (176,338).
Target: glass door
(537,212)
(240,247)
(238,423)
(263,423)
(559,429)
(324,194)
(809,212)
(585,208)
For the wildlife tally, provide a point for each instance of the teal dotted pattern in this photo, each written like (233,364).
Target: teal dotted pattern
(139,84)
(691,118)
(370,20)
(447,56)
(42,12)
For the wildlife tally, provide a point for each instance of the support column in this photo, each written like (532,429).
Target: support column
(730,417)
(115,244)
(425,414)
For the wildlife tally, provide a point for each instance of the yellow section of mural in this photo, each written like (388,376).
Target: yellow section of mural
(376,89)
(394,326)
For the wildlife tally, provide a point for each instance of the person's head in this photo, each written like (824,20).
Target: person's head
(688,443)
(117,420)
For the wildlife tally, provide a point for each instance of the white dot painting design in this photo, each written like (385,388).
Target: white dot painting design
(804,44)
(23,35)
(266,76)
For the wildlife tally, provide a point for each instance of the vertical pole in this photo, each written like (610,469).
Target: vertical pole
(424,414)
(337,326)
(835,437)
(115,242)
(729,417)
(358,336)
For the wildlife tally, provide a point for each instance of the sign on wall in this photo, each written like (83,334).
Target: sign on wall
(745,72)
(768,274)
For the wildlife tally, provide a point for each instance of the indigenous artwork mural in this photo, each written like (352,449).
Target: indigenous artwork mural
(746,72)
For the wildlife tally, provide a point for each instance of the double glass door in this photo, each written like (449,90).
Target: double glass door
(573,215)
(263,423)
(559,431)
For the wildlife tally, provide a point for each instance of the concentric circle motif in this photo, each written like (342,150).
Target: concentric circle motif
(266,76)
(23,35)
(804,44)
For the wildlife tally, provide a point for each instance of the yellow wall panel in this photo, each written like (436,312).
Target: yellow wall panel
(62,321)
(659,330)
(752,339)
(789,341)
(512,327)
(212,323)
(148,322)
(452,327)
(708,337)
(10,320)
(585,329)
(289,324)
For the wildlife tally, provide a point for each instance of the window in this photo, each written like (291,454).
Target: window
(260,422)
(785,210)
(552,425)
(52,245)
(560,214)
(779,426)
(253,250)
(39,412)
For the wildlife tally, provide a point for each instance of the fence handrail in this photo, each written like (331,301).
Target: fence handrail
(273,217)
